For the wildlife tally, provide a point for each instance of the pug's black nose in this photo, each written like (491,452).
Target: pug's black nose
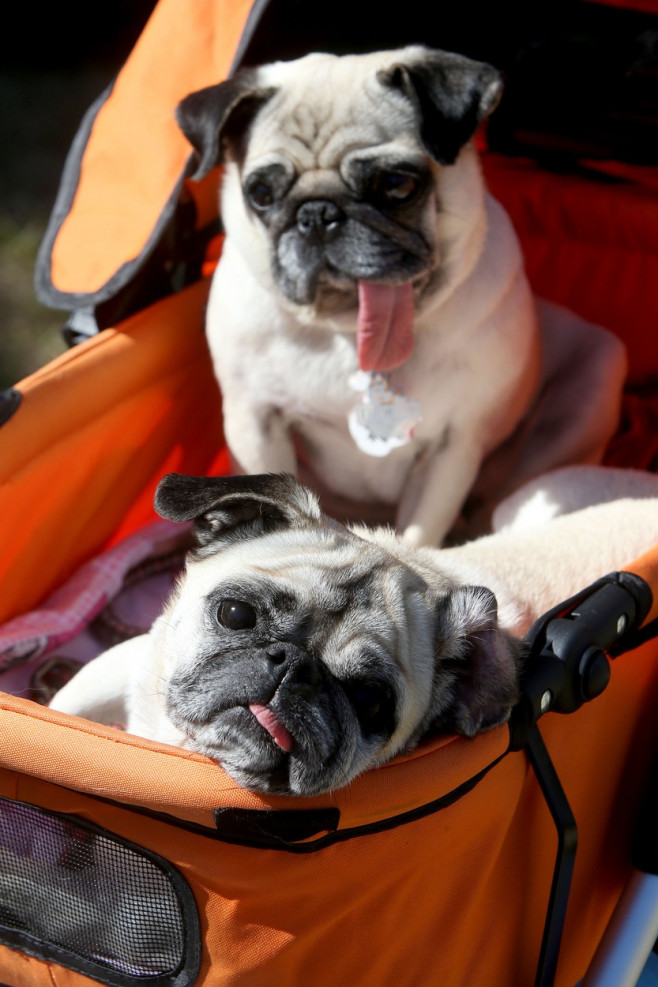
(304,679)
(294,668)
(277,653)
(319,219)
(305,673)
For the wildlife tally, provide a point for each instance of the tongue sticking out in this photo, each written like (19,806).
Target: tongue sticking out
(273,725)
(385,336)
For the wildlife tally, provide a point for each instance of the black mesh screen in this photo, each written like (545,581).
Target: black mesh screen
(76,894)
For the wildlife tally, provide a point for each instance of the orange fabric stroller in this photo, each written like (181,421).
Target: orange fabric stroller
(127,862)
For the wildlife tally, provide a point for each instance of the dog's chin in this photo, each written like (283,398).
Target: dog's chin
(335,294)
(247,752)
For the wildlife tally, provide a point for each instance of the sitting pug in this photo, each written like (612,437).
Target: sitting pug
(298,653)
(370,321)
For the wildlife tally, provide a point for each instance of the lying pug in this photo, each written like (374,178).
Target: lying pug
(370,321)
(298,653)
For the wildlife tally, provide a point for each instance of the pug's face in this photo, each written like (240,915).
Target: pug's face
(344,173)
(298,654)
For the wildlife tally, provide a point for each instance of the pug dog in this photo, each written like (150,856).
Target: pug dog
(298,653)
(370,323)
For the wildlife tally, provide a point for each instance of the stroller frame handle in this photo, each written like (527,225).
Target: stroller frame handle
(566,665)
(568,649)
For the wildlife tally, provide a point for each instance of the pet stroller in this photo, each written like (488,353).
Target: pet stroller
(127,862)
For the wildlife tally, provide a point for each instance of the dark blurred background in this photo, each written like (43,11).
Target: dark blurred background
(56,59)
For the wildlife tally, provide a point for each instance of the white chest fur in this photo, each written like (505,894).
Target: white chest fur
(472,371)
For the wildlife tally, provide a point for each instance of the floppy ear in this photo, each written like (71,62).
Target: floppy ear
(210,116)
(487,665)
(452,93)
(228,507)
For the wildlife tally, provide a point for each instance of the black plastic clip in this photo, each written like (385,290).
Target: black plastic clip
(569,647)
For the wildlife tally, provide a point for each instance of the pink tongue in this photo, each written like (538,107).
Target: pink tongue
(274,727)
(385,336)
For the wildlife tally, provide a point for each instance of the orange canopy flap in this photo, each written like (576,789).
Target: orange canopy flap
(112,199)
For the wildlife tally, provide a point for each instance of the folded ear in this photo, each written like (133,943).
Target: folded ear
(452,93)
(485,661)
(209,117)
(229,507)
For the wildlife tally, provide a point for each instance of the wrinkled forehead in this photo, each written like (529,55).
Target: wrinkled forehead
(338,107)
(317,568)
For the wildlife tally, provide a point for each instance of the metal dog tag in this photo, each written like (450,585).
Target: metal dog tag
(384,418)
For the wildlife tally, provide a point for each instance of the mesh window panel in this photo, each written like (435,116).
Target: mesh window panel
(78,895)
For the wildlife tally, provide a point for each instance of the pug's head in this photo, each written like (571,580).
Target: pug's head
(345,185)
(298,653)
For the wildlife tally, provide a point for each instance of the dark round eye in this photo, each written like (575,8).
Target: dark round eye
(374,706)
(396,186)
(236,615)
(260,194)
